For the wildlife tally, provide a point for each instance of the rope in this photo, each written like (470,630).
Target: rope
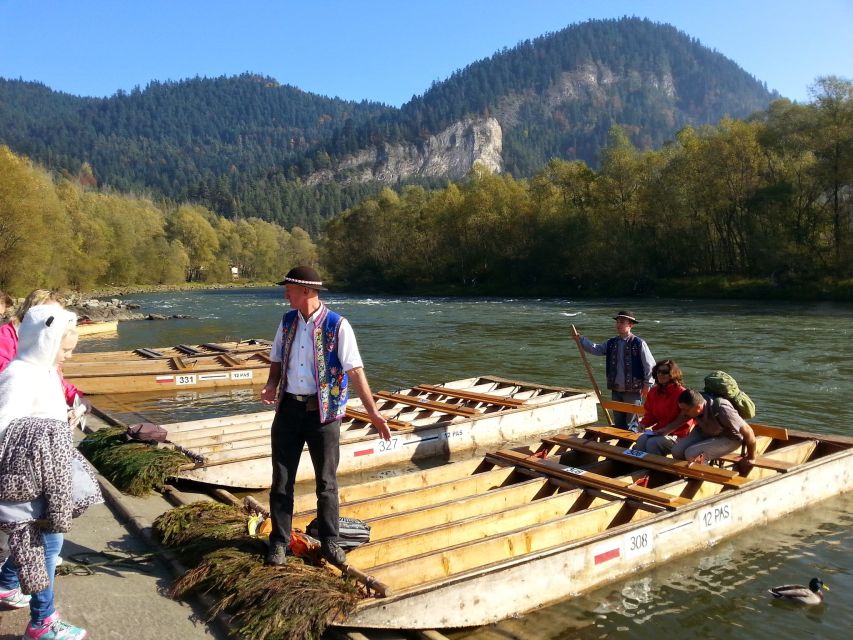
(86,563)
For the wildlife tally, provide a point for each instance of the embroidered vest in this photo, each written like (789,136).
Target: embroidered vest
(330,375)
(633,365)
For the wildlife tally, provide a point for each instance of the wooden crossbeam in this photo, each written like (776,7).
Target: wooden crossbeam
(431,405)
(229,360)
(763,463)
(179,363)
(471,395)
(726,477)
(394,425)
(587,478)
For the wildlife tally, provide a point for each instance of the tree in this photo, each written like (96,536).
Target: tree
(189,225)
(833,102)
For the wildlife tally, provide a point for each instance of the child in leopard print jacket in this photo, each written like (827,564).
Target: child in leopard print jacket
(37,464)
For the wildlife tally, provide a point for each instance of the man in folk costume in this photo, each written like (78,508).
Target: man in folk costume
(314,359)
(628,368)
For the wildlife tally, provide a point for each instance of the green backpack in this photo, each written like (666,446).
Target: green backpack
(720,383)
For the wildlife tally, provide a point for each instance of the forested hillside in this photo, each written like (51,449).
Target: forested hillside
(769,199)
(247,146)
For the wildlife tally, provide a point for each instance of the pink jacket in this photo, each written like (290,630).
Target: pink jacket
(8,349)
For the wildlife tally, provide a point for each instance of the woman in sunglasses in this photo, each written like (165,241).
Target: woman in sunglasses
(662,419)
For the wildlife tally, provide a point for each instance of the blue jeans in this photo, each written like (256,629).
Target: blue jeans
(626,420)
(41,605)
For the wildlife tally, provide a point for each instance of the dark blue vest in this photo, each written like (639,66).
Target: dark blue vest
(633,365)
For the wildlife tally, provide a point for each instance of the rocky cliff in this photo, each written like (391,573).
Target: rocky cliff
(451,153)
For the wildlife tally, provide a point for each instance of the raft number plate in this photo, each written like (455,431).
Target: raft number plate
(185,379)
(715,516)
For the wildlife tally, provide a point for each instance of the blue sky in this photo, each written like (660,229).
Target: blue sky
(383,50)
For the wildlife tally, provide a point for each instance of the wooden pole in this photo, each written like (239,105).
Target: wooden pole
(577,339)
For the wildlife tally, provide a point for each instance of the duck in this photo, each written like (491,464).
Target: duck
(798,593)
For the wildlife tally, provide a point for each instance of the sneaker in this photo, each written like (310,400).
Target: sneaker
(13,599)
(332,552)
(277,554)
(54,629)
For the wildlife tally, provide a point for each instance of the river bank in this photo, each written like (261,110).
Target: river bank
(701,287)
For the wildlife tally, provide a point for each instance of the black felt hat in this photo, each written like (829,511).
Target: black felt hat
(305,276)
(628,315)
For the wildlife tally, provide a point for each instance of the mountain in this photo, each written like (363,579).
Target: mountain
(248,146)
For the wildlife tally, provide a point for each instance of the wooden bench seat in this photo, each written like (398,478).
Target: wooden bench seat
(587,478)
(683,468)
(471,395)
(430,405)
(762,431)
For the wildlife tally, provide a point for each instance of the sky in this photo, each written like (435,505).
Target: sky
(382,50)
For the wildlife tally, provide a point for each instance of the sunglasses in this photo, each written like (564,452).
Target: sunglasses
(663,371)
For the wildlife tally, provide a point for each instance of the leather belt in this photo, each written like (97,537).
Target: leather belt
(299,398)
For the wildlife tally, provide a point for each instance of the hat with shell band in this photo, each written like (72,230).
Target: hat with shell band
(304,276)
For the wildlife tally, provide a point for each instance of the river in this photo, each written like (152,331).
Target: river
(790,358)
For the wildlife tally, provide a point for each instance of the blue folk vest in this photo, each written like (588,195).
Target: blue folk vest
(633,365)
(330,375)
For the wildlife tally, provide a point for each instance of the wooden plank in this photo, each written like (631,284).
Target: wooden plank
(441,564)
(588,478)
(471,395)
(777,433)
(646,460)
(417,498)
(613,432)
(395,425)
(483,504)
(431,537)
(431,405)
(394,484)
(624,407)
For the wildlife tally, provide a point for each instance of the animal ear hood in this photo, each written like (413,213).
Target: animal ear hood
(40,333)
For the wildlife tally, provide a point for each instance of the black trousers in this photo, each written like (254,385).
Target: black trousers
(292,428)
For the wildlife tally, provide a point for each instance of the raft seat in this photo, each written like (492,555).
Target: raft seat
(213,346)
(149,353)
(776,433)
(188,350)
(551,468)
(651,461)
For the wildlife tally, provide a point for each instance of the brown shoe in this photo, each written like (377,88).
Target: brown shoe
(277,554)
(331,552)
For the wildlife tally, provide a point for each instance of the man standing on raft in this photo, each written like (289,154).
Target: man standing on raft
(314,356)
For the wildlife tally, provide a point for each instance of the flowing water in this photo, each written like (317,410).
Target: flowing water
(792,359)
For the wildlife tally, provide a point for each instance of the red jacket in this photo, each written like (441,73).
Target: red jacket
(662,408)
(8,349)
